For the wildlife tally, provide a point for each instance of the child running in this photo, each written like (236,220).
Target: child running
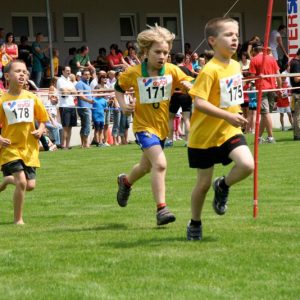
(215,134)
(19,137)
(154,81)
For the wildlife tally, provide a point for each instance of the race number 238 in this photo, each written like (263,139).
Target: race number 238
(231,89)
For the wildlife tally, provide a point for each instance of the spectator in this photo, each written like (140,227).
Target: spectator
(115,59)
(11,48)
(25,52)
(276,41)
(53,126)
(248,46)
(85,103)
(69,58)
(55,62)
(129,44)
(99,105)
(111,79)
(187,49)
(295,82)
(101,62)
(132,58)
(270,67)
(97,80)
(245,64)
(66,106)
(195,62)
(38,56)
(81,61)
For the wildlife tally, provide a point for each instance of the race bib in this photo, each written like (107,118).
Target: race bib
(18,111)
(155,89)
(231,91)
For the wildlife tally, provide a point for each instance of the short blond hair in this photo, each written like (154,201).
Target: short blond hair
(153,34)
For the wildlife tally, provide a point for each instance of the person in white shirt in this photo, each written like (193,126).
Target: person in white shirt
(66,106)
(276,41)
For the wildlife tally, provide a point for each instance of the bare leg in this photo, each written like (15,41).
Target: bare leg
(6,181)
(186,121)
(19,196)
(244,165)
(204,178)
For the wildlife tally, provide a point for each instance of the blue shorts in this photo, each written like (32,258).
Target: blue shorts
(146,140)
(98,125)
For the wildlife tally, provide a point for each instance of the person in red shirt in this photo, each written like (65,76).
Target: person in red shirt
(270,67)
(116,60)
(283,104)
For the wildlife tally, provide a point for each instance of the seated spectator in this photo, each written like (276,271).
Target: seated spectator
(11,48)
(115,59)
(132,58)
(81,61)
(55,61)
(129,44)
(50,146)
(195,62)
(101,61)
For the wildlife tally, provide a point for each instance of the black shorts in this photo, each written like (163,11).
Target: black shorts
(180,100)
(17,166)
(68,116)
(207,158)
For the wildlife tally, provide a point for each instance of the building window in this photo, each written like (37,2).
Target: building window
(128,27)
(29,24)
(169,21)
(72,27)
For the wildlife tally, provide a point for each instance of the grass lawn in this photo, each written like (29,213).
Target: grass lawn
(78,244)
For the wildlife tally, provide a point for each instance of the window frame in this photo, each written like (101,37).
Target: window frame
(29,16)
(161,17)
(134,26)
(80,27)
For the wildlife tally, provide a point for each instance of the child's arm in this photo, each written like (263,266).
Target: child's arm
(4,142)
(39,131)
(127,109)
(206,107)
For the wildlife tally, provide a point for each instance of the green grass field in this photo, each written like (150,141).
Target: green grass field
(78,244)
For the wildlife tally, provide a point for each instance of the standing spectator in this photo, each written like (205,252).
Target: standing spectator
(81,61)
(276,41)
(85,103)
(69,58)
(115,59)
(38,56)
(245,64)
(97,80)
(248,46)
(66,106)
(267,103)
(250,127)
(55,61)
(295,82)
(99,105)
(25,52)
(11,48)
(195,62)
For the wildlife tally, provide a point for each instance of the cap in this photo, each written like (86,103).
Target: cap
(78,73)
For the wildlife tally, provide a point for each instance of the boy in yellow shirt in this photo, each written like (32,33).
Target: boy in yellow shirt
(215,133)
(19,137)
(154,81)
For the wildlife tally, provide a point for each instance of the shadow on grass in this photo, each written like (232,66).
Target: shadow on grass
(7,223)
(110,226)
(158,242)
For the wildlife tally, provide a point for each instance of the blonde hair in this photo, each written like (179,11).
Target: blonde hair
(153,34)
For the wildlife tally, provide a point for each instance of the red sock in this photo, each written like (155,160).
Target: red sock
(160,206)
(125,180)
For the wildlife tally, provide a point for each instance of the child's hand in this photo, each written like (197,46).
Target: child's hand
(186,84)
(37,133)
(236,120)
(4,142)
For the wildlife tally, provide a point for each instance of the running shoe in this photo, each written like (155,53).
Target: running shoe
(123,191)
(193,233)
(164,216)
(220,198)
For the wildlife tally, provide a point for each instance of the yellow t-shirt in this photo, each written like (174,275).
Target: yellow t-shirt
(17,115)
(152,117)
(207,131)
